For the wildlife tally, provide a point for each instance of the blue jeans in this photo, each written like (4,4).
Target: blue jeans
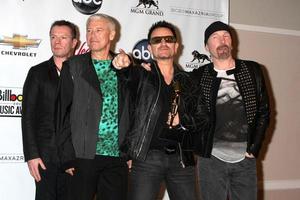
(147,176)
(219,180)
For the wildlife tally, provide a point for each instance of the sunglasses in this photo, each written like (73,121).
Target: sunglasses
(167,39)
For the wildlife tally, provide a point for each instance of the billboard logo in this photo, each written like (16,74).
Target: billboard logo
(10,102)
(87,7)
(140,52)
(18,41)
(6,95)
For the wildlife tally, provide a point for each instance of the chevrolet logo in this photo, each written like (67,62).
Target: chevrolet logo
(18,41)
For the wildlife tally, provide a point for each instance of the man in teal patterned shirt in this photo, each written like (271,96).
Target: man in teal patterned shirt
(93,117)
(108,126)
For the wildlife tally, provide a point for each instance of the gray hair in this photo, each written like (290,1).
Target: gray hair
(111,21)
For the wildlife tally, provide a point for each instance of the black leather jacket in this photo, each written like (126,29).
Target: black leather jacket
(251,84)
(147,87)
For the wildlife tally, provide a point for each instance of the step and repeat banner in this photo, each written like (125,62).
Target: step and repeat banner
(24,42)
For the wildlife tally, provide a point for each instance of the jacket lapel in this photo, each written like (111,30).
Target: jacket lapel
(89,74)
(52,70)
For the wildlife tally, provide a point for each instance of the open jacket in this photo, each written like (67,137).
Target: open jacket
(145,87)
(38,129)
(78,110)
(250,81)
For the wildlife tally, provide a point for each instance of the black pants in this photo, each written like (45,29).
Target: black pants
(53,183)
(104,176)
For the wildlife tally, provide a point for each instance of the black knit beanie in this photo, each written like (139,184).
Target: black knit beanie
(215,26)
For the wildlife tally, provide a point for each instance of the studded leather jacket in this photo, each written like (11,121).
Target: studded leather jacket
(250,80)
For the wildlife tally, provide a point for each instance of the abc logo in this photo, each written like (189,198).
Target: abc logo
(140,52)
(87,7)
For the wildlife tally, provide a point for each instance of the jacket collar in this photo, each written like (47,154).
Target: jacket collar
(229,72)
(52,69)
(154,65)
(89,72)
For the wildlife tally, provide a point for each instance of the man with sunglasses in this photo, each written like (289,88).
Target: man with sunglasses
(159,149)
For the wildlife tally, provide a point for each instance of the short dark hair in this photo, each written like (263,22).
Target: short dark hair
(73,27)
(162,24)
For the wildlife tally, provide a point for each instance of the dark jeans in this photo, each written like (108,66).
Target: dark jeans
(219,179)
(147,176)
(104,176)
(53,183)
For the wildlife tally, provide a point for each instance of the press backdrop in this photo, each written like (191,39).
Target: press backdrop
(24,42)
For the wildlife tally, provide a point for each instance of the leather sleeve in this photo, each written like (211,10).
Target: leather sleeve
(263,112)
(193,111)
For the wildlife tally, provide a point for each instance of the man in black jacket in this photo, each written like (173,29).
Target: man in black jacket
(238,107)
(161,150)
(92,118)
(39,142)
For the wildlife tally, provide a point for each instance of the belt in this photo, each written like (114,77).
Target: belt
(170,150)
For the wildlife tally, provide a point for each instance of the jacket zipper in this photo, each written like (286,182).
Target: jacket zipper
(152,110)
(180,155)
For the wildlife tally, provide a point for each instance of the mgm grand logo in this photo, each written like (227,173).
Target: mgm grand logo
(198,60)
(147,7)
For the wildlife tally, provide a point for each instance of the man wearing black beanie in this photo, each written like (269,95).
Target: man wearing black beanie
(215,26)
(238,109)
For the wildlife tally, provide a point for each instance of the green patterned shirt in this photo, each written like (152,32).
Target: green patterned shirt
(107,144)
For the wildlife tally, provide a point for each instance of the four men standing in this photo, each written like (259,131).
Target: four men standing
(105,113)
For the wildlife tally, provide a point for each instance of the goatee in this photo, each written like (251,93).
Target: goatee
(223,51)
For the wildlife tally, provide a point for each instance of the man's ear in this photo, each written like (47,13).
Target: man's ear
(112,35)
(74,43)
(206,47)
(176,46)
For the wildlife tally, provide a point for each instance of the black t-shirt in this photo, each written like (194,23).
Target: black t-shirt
(164,101)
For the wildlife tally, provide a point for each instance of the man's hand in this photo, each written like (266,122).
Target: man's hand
(249,155)
(175,120)
(129,164)
(33,166)
(122,60)
(147,66)
(70,171)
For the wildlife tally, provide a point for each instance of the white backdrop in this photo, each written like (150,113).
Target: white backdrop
(24,42)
